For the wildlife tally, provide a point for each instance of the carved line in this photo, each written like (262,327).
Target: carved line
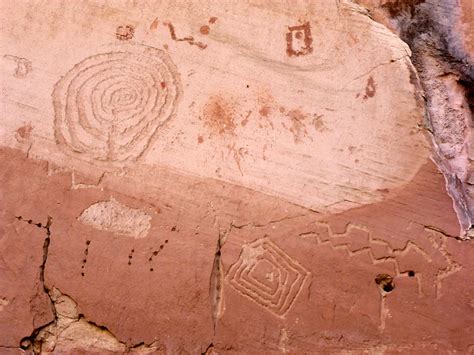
(289,283)
(452,267)
(110,105)
(390,258)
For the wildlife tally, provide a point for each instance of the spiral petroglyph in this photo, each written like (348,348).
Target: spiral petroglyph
(109,106)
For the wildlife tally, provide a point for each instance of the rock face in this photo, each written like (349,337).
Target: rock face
(234,177)
(441,38)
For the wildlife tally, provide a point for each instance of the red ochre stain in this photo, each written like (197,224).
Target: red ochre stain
(300,32)
(212,20)
(200,139)
(370,88)
(204,30)
(154,24)
(246,119)
(24,132)
(265,111)
(298,127)
(125,32)
(319,123)
(218,115)
(163,85)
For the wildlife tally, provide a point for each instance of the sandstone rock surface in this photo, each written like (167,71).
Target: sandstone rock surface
(230,177)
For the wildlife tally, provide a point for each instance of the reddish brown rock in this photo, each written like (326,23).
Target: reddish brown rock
(156,290)
(440,37)
(24,303)
(233,178)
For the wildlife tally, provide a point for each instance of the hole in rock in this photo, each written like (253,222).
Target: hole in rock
(411,273)
(25,343)
(385,281)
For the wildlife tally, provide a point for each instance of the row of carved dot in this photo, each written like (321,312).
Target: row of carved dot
(130,256)
(29,221)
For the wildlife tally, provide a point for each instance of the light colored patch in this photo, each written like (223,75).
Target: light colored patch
(3,303)
(72,333)
(112,216)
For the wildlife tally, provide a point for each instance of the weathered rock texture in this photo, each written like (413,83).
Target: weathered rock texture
(440,34)
(235,177)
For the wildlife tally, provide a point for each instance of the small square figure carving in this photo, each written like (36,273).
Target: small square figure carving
(298,40)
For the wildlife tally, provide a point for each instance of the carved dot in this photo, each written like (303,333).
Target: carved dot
(204,30)
(155,253)
(173,229)
(151,269)
(411,273)
(82,274)
(29,221)
(88,242)
(166,241)
(161,246)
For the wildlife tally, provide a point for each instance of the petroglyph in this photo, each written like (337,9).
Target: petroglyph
(109,106)
(156,252)
(112,216)
(342,241)
(268,276)
(125,33)
(439,241)
(381,252)
(299,40)
(189,39)
(84,261)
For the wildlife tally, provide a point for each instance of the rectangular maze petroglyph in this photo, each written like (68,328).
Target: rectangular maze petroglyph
(268,276)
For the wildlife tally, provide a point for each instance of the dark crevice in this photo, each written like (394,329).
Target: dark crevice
(27,343)
(34,342)
(208,349)
(444,69)
(385,282)
(216,283)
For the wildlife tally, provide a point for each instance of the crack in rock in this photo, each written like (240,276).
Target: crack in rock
(216,282)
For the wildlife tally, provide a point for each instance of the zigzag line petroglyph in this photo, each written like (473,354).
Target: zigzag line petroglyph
(392,253)
(109,106)
(327,237)
(452,267)
(391,256)
(268,276)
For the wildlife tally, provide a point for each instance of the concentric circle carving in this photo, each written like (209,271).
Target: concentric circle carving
(110,105)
